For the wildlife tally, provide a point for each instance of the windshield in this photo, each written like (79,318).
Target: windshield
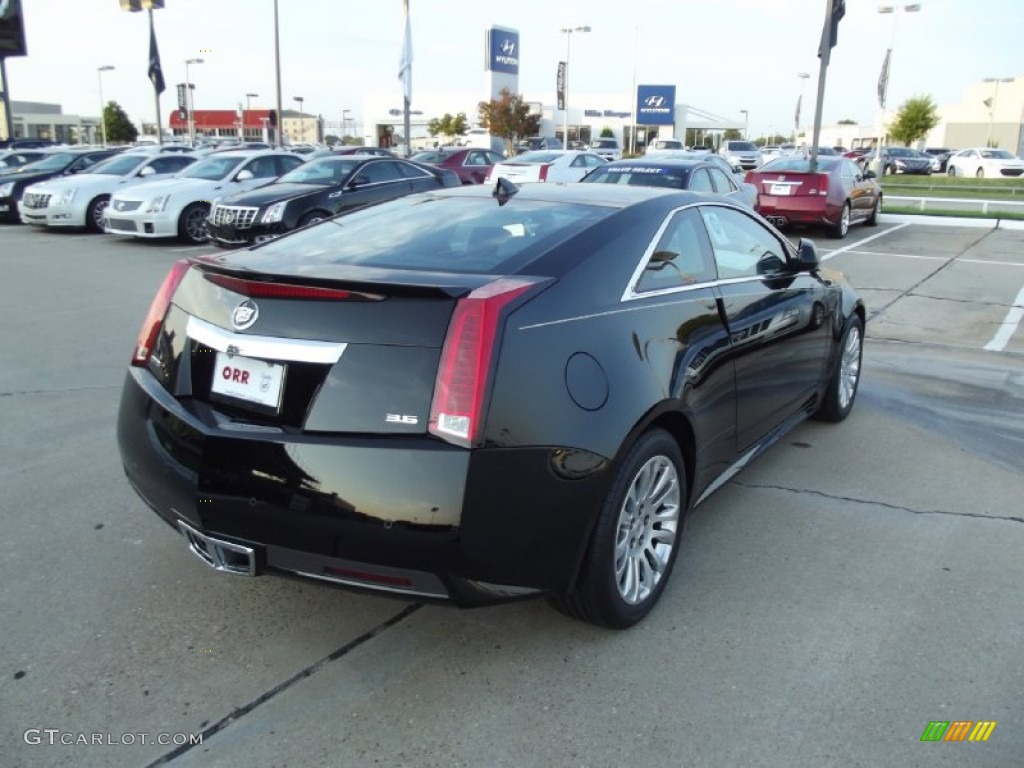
(742,146)
(442,234)
(668,144)
(638,175)
(604,144)
(326,171)
(119,165)
(213,168)
(996,154)
(540,156)
(54,162)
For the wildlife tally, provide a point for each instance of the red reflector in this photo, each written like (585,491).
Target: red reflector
(258,289)
(157,310)
(457,408)
(544,171)
(379,578)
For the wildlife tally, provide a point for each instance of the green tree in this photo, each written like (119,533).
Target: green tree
(120,130)
(731,134)
(607,133)
(508,118)
(448,125)
(916,116)
(847,121)
(330,139)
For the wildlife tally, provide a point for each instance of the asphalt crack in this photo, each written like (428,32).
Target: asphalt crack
(872,503)
(312,669)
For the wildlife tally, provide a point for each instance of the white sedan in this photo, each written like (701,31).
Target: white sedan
(665,147)
(984,163)
(546,165)
(178,207)
(81,200)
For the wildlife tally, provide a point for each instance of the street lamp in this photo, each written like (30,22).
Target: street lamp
(302,118)
(803,76)
(344,121)
(884,94)
(248,97)
(103,114)
(188,97)
(567,31)
(746,122)
(991,103)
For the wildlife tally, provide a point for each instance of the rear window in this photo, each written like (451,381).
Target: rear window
(794,163)
(433,234)
(742,146)
(604,144)
(540,156)
(643,176)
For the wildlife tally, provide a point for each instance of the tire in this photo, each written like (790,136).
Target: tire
(312,218)
(94,213)
(845,379)
(951,170)
(889,170)
(191,223)
(872,219)
(842,227)
(636,539)
(980,173)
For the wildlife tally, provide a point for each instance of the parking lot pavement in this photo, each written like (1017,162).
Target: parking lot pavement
(857,582)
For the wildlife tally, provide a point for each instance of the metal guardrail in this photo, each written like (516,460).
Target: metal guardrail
(956,203)
(1013,190)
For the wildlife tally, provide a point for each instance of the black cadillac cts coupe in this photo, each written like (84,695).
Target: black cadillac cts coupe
(474,397)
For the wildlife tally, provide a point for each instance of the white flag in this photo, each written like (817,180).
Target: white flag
(405,66)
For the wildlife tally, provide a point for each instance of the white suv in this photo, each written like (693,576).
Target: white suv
(608,148)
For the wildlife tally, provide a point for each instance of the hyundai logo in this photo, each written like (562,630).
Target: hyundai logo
(245,315)
(654,101)
(508,48)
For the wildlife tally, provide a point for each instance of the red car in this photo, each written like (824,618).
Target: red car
(471,164)
(837,195)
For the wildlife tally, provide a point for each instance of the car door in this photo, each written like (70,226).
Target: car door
(776,318)
(681,337)
(263,170)
(374,182)
(861,192)
(476,165)
(163,167)
(419,179)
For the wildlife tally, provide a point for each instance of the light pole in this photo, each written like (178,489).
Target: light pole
(567,31)
(188,95)
(302,118)
(804,76)
(892,10)
(103,118)
(248,107)
(991,103)
(746,122)
(344,121)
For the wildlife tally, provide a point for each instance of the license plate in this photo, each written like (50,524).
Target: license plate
(254,381)
(780,189)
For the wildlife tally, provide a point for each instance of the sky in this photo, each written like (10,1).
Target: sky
(723,55)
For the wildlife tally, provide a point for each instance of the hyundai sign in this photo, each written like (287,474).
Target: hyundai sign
(503,50)
(655,104)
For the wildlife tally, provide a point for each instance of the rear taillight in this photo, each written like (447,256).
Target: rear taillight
(544,171)
(157,310)
(822,188)
(456,412)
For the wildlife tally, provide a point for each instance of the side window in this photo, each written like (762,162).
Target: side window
(285,164)
(409,171)
(376,173)
(494,157)
(742,246)
(850,170)
(580,162)
(86,162)
(723,184)
(593,161)
(681,257)
(700,181)
(169,164)
(476,158)
(262,168)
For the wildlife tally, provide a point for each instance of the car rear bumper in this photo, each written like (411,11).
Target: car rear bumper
(780,210)
(412,516)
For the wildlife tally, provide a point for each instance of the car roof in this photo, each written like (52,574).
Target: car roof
(252,153)
(668,161)
(605,195)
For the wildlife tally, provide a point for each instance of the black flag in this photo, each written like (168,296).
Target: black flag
(156,74)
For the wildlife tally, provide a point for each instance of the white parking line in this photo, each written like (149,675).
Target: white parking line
(899,255)
(191,248)
(1009,325)
(990,261)
(853,246)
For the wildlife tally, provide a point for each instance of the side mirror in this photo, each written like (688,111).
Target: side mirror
(869,174)
(245,175)
(149,170)
(807,255)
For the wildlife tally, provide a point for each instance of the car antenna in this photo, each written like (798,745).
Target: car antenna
(504,190)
